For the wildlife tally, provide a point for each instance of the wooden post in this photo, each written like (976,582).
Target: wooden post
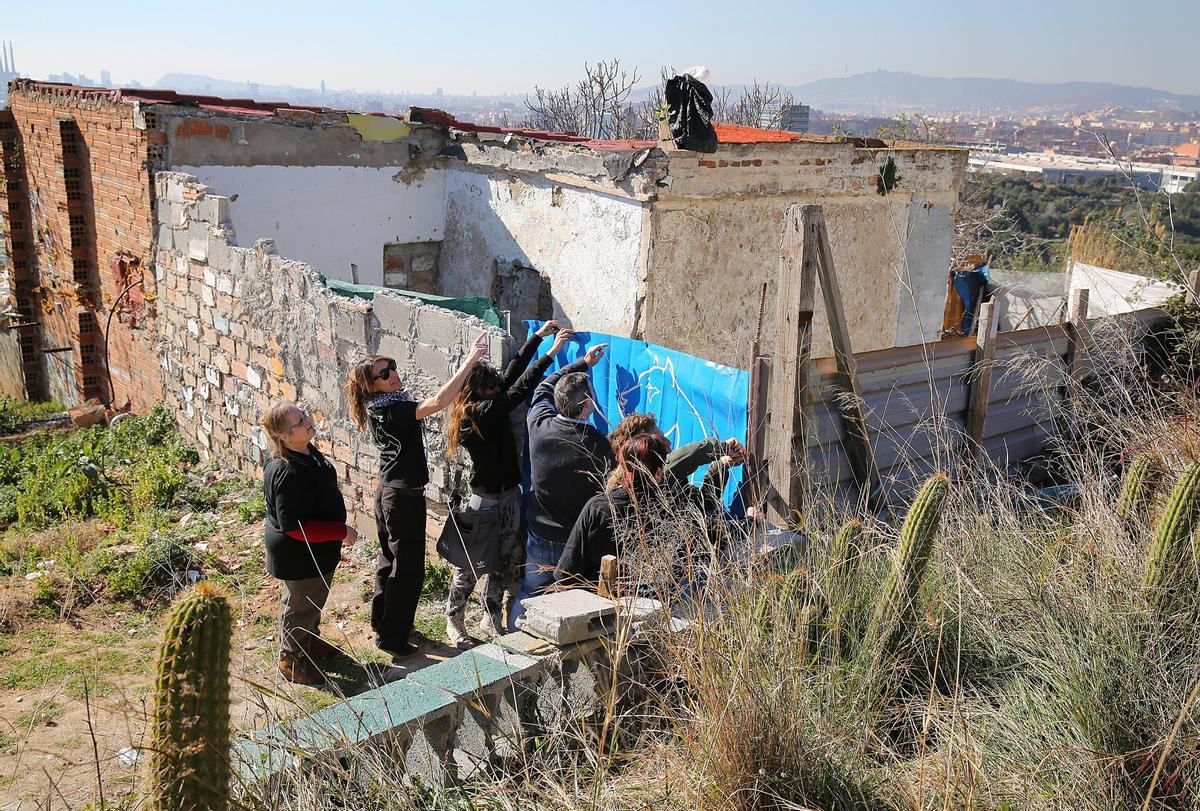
(756,410)
(858,446)
(787,444)
(608,577)
(1193,288)
(981,387)
(1077,334)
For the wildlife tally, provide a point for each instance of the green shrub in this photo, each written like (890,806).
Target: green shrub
(159,565)
(15,414)
(253,508)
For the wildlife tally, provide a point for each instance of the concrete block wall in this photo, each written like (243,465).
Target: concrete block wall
(240,327)
(463,716)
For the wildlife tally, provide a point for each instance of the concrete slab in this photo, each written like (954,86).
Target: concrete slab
(527,644)
(569,616)
(395,712)
(472,672)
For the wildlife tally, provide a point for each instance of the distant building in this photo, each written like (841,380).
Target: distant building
(8,70)
(106,78)
(795,118)
(1070,170)
(322,87)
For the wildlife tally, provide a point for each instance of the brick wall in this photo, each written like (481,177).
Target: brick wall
(240,327)
(85,178)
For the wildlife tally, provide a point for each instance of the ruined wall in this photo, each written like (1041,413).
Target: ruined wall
(715,235)
(243,326)
(83,196)
(330,188)
(587,244)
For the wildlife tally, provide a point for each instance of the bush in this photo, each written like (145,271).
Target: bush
(15,414)
(115,472)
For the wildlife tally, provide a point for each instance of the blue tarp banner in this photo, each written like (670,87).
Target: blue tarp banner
(692,399)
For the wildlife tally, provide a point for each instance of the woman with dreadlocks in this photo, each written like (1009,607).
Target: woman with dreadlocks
(480,423)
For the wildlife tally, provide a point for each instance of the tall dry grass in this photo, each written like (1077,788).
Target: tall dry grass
(1034,673)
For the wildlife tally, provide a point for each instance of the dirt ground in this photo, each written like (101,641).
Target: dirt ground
(74,694)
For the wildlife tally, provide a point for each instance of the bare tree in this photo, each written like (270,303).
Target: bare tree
(596,107)
(762,105)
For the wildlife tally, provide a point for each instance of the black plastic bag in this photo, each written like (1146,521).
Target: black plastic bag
(689,105)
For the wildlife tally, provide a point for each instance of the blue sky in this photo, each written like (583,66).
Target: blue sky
(467,45)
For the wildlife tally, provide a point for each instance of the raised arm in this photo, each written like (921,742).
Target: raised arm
(520,362)
(445,395)
(687,459)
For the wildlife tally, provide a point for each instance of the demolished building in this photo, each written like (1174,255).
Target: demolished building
(175,248)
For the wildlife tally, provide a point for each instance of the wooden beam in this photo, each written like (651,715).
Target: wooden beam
(756,410)
(858,444)
(1077,334)
(787,443)
(608,577)
(981,385)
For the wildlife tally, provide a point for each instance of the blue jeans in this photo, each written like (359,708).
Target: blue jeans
(541,558)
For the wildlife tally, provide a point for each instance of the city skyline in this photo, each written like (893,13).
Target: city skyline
(303,45)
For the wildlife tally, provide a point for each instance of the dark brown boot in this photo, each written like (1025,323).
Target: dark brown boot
(299,671)
(318,648)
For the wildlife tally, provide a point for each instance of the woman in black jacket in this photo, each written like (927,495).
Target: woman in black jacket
(305,529)
(480,422)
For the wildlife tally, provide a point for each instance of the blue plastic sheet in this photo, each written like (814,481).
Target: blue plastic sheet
(692,398)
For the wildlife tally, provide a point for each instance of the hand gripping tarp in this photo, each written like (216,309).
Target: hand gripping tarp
(692,398)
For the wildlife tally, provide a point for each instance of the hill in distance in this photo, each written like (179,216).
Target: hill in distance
(889,91)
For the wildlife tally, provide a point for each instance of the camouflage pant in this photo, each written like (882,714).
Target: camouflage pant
(507,578)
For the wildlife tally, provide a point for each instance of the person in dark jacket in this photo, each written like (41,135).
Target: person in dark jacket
(480,422)
(682,462)
(633,509)
(305,529)
(379,404)
(568,462)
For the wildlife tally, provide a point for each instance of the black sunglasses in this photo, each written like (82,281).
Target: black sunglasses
(386,371)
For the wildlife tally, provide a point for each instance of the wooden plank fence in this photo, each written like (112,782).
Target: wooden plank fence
(872,423)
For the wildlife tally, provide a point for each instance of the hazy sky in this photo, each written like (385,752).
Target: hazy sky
(508,47)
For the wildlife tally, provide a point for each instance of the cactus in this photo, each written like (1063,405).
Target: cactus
(1171,558)
(1138,488)
(781,599)
(896,611)
(189,732)
(844,559)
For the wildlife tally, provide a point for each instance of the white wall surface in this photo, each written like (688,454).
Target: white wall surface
(587,243)
(330,216)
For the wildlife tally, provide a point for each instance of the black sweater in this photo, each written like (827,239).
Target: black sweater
(396,432)
(495,464)
(301,488)
(568,461)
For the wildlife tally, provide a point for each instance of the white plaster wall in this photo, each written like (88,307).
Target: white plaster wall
(330,216)
(587,243)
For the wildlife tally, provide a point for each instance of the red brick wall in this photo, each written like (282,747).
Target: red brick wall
(80,275)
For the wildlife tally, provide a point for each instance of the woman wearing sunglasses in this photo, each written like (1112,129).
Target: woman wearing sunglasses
(305,530)
(379,404)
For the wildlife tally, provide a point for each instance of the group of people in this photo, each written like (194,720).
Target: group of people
(583,485)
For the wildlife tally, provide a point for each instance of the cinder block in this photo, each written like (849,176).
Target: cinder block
(198,249)
(349,323)
(437,327)
(568,616)
(394,313)
(214,209)
(393,347)
(432,362)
